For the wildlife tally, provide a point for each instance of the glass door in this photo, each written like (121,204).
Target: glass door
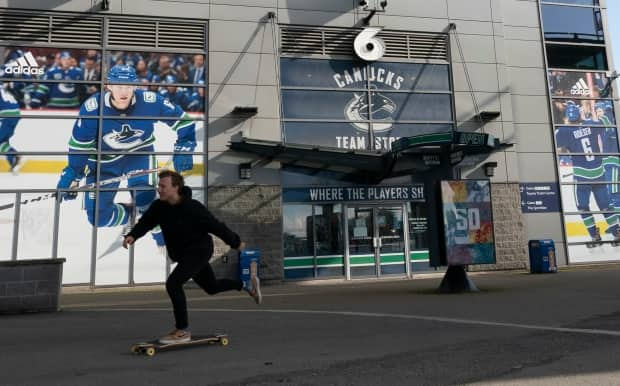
(391,240)
(361,237)
(376,240)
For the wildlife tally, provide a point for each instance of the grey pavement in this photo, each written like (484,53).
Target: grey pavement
(519,329)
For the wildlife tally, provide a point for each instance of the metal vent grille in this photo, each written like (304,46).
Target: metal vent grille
(24,27)
(138,33)
(177,35)
(156,34)
(74,30)
(31,28)
(336,41)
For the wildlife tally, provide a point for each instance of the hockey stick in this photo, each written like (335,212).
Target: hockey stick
(109,181)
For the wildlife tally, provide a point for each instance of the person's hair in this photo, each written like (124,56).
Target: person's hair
(175,177)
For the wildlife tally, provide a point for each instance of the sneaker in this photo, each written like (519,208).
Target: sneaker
(176,336)
(254,290)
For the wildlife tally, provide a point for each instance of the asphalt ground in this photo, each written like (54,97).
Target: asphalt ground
(519,329)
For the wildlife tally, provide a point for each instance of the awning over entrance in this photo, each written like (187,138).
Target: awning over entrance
(408,155)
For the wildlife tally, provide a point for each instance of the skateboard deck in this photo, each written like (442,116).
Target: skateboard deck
(152,347)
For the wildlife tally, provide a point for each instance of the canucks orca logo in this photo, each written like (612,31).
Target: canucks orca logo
(381,110)
(126,138)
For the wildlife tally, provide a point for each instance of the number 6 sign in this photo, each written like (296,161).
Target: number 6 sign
(368,46)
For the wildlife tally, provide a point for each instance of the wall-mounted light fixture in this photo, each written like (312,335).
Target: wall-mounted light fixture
(489,168)
(486,116)
(105,5)
(246,111)
(245,171)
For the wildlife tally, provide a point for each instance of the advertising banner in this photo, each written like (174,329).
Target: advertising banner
(354,105)
(468,222)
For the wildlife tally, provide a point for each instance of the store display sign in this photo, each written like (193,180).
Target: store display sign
(537,197)
(354,193)
(468,222)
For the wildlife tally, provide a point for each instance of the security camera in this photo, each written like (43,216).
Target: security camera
(383,4)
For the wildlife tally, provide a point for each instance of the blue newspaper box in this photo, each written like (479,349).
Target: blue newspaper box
(248,261)
(542,256)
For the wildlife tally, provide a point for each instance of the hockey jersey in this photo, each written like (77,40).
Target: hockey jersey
(9,116)
(58,95)
(585,141)
(121,131)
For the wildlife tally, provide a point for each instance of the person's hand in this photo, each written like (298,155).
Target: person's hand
(183,162)
(69,179)
(128,240)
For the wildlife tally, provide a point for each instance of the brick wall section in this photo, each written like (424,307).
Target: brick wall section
(510,242)
(30,285)
(255,213)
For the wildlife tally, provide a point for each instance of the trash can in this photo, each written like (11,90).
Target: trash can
(542,256)
(248,264)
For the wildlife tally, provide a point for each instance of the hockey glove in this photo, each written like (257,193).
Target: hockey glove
(68,180)
(183,162)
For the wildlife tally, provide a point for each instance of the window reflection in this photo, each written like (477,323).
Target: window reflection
(576,57)
(328,229)
(572,24)
(295,230)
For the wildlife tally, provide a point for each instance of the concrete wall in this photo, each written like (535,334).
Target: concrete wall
(255,212)
(30,285)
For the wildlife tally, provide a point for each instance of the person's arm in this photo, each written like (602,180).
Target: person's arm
(218,228)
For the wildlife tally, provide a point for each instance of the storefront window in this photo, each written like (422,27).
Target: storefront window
(297,230)
(328,229)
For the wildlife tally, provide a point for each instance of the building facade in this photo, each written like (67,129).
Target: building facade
(320,131)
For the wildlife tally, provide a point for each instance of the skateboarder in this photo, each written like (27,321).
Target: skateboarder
(186,225)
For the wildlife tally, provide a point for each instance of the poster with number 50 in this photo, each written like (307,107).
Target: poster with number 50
(468,222)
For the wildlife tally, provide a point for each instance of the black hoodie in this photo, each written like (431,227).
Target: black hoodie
(185,226)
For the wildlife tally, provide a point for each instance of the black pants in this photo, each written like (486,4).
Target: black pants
(195,267)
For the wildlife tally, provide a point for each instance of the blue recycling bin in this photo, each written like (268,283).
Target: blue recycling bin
(249,259)
(542,256)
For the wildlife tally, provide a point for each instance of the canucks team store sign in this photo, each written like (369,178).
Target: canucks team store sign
(350,104)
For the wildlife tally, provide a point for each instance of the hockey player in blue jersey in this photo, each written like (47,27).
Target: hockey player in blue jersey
(196,101)
(611,161)
(176,95)
(583,142)
(122,133)
(59,95)
(9,116)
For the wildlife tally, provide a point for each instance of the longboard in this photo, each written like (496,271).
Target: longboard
(150,348)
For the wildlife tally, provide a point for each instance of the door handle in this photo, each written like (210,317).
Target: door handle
(380,243)
(374,242)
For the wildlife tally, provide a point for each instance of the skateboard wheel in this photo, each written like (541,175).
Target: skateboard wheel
(224,341)
(135,349)
(150,351)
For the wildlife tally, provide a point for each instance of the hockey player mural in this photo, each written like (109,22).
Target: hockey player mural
(9,116)
(587,150)
(124,132)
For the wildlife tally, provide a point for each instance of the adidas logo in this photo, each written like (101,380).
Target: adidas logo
(581,88)
(27,64)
